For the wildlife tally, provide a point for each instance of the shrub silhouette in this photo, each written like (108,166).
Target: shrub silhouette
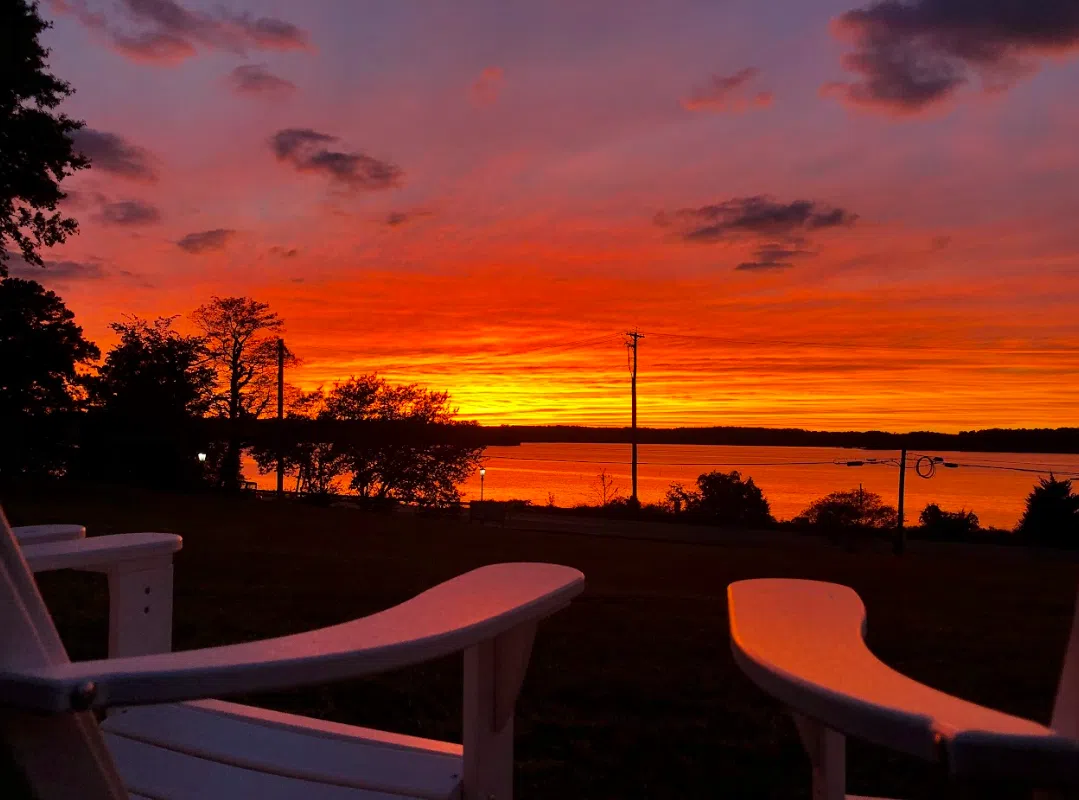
(722,498)
(856,509)
(1052,514)
(940,524)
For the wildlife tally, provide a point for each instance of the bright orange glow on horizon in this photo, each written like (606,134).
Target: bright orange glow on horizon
(528,218)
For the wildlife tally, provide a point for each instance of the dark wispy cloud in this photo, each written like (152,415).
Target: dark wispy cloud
(759,216)
(256,79)
(284,252)
(909,56)
(64,271)
(396,219)
(776,255)
(129,212)
(730,93)
(780,232)
(307,150)
(110,152)
(206,241)
(165,31)
(487,87)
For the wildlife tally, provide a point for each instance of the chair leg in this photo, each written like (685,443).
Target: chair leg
(494,671)
(140,609)
(827,751)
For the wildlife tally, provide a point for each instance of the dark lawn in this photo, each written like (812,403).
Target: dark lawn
(632,691)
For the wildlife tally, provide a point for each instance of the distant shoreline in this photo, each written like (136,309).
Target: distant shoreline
(997,440)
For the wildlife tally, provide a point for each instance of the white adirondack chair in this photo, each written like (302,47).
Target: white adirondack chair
(803,643)
(155,745)
(38,534)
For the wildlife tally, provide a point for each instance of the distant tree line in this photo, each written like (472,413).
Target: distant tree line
(160,397)
(1037,440)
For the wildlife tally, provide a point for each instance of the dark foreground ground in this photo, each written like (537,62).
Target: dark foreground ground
(632,691)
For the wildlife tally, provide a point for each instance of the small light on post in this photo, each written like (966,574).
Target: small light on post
(483,472)
(202,458)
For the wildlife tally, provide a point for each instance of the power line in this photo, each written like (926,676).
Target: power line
(668,463)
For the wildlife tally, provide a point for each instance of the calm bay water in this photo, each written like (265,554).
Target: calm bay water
(790,477)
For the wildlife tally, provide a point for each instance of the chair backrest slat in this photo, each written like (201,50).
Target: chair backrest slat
(60,756)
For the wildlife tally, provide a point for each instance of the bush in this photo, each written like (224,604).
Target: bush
(1052,514)
(940,524)
(856,509)
(722,498)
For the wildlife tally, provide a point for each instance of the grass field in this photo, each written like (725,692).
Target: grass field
(632,691)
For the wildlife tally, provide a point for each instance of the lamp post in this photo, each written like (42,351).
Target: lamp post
(202,458)
(483,471)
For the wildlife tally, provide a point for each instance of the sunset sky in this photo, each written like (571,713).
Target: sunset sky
(820,213)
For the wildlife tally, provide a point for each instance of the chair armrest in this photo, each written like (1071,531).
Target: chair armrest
(472,608)
(38,534)
(101,553)
(803,643)
(139,569)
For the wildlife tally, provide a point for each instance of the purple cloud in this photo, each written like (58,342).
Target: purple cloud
(256,79)
(110,152)
(729,93)
(206,241)
(164,31)
(909,56)
(304,149)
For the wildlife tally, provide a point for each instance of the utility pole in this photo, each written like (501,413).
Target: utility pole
(280,417)
(900,543)
(632,338)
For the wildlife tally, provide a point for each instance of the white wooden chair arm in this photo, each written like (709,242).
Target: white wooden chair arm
(803,643)
(101,553)
(139,570)
(477,607)
(37,534)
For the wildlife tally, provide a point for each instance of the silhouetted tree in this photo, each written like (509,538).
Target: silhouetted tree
(940,524)
(240,338)
(854,509)
(41,349)
(35,145)
(606,490)
(154,373)
(424,473)
(1052,514)
(722,498)
(153,382)
(318,466)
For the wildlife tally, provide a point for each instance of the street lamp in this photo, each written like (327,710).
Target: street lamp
(202,458)
(483,471)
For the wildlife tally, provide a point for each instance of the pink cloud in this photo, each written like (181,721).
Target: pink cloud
(728,93)
(487,88)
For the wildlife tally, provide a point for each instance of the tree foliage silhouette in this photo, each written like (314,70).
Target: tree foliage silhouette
(240,339)
(36,151)
(152,384)
(153,373)
(856,509)
(722,498)
(940,524)
(1052,514)
(409,469)
(41,351)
